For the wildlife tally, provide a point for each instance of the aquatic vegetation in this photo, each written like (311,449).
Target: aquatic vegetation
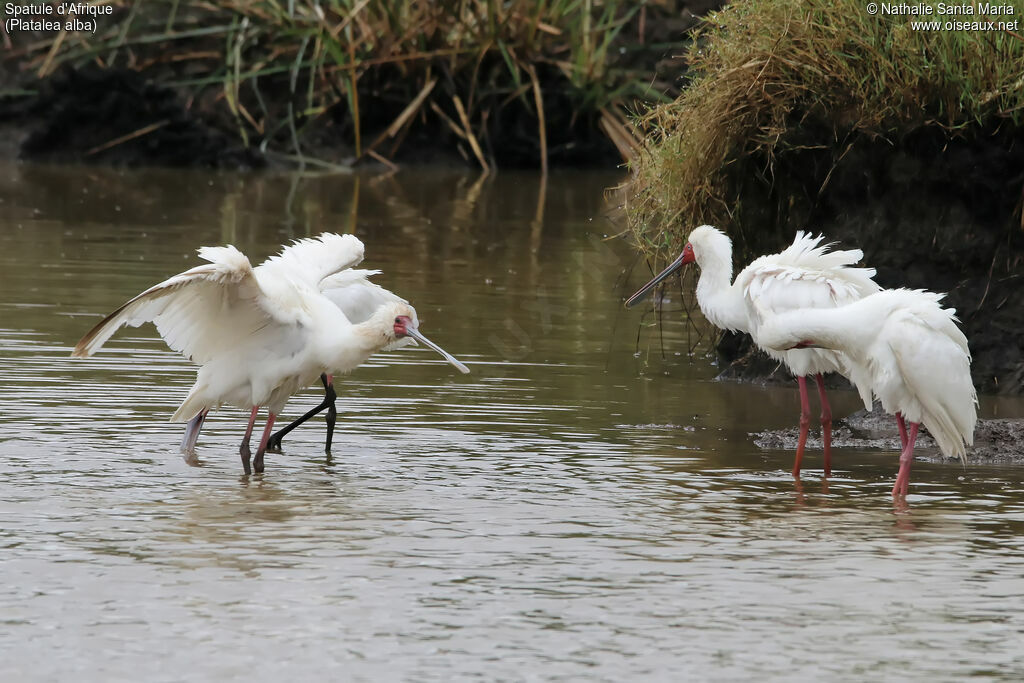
(771,77)
(288,75)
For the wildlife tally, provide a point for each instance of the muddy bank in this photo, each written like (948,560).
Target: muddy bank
(928,211)
(246,84)
(995,441)
(115,117)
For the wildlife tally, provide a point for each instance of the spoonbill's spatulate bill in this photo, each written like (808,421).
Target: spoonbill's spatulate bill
(260,334)
(805,274)
(916,358)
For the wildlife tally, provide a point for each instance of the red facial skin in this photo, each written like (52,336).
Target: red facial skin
(400,324)
(688,256)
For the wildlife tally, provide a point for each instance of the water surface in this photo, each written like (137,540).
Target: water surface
(586,505)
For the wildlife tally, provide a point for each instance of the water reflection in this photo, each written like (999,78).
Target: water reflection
(581,506)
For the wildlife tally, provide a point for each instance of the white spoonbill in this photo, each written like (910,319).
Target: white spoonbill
(916,357)
(358,298)
(803,275)
(259,334)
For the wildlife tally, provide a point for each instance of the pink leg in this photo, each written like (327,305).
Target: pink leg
(805,425)
(243,450)
(899,489)
(902,425)
(257,462)
(826,424)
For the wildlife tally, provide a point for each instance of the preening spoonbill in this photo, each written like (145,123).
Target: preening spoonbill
(805,274)
(358,298)
(259,334)
(916,357)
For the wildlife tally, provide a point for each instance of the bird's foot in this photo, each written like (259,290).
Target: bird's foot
(257,462)
(899,489)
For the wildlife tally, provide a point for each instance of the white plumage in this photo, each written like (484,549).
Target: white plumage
(260,334)
(358,299)
(916,358)
(804,274)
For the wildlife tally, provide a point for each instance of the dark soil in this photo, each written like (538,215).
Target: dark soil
(90,115)
(929,212)
(995,441)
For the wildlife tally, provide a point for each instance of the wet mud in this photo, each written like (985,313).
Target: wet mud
(996,441)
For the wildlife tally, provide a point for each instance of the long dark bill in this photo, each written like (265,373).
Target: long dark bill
(646,289)
(415,334)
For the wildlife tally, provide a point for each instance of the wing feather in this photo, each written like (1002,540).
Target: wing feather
(315,258)
(197,312)
(948,398)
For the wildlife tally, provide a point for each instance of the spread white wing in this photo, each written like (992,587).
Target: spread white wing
(312,259)
(202,311)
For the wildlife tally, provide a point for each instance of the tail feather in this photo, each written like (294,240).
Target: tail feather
(194,403)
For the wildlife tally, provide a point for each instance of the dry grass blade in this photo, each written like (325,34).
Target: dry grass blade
(468,130)
(47,66)
(455,128)
(622,137)
(145,130)
(382,159)
(538,101)
(411,109)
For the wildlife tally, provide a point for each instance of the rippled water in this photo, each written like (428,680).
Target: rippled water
(579,507)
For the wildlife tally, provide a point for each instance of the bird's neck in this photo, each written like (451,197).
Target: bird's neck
(843,329)
(357,343)
(720,301)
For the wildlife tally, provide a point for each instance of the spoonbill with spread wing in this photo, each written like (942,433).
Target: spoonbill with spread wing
(805,274)
(917,360)
(260,334)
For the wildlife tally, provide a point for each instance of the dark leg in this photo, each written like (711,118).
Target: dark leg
(826,424)
(257,462)
(805,425)
(243,450)
(274,444)
(899,489)
(332,416)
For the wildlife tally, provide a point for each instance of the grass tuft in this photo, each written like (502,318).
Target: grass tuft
(772,75)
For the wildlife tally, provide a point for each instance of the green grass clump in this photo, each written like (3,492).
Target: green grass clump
(280,65)
(772,75)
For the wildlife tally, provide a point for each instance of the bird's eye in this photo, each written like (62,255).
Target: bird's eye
(398,321)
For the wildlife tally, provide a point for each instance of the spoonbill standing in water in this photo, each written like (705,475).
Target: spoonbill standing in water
(806,274)
(916,357)
(260,334)
(358,298)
